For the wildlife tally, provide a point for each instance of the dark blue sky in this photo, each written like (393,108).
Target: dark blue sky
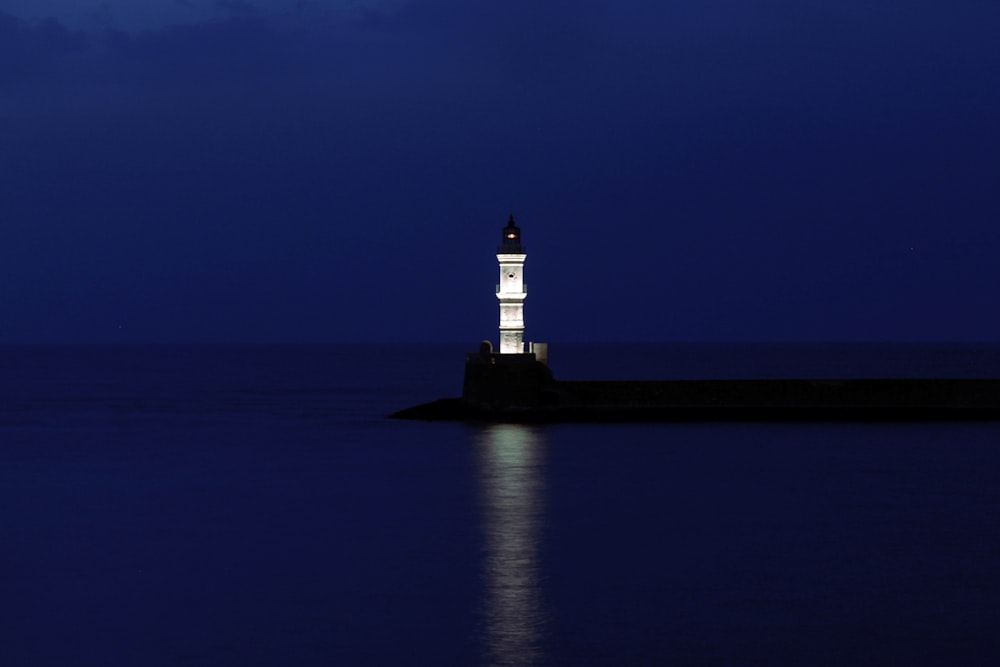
(186,170)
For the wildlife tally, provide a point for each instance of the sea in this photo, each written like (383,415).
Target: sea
(196,505)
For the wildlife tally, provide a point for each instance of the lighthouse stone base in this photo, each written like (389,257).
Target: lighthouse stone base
(507,381)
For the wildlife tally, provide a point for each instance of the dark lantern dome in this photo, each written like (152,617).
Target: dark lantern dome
(511,239)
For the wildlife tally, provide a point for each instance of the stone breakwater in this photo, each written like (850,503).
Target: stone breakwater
(518,388)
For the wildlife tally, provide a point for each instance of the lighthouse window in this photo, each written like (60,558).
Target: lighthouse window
(510,275)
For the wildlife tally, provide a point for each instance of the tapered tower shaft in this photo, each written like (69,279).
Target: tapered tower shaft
(511,290)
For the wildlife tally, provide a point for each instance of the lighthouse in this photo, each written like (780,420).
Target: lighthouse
(511,290)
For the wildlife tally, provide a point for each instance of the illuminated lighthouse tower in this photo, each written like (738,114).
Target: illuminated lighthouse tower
(511,290)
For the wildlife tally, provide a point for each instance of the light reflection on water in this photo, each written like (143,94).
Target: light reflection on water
(511,481)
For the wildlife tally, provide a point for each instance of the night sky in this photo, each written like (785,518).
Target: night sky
(682,170)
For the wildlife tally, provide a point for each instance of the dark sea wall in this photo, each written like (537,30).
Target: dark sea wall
(791,393)
(518,388)
(457,409)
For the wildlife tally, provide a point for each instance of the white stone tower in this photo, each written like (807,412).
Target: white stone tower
(511,290)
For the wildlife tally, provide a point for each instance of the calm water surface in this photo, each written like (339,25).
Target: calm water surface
(251,506)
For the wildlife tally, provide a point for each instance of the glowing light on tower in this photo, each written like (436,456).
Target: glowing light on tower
(511,290)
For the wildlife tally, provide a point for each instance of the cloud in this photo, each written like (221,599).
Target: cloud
(235,49)
(236,7)
(28,47)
